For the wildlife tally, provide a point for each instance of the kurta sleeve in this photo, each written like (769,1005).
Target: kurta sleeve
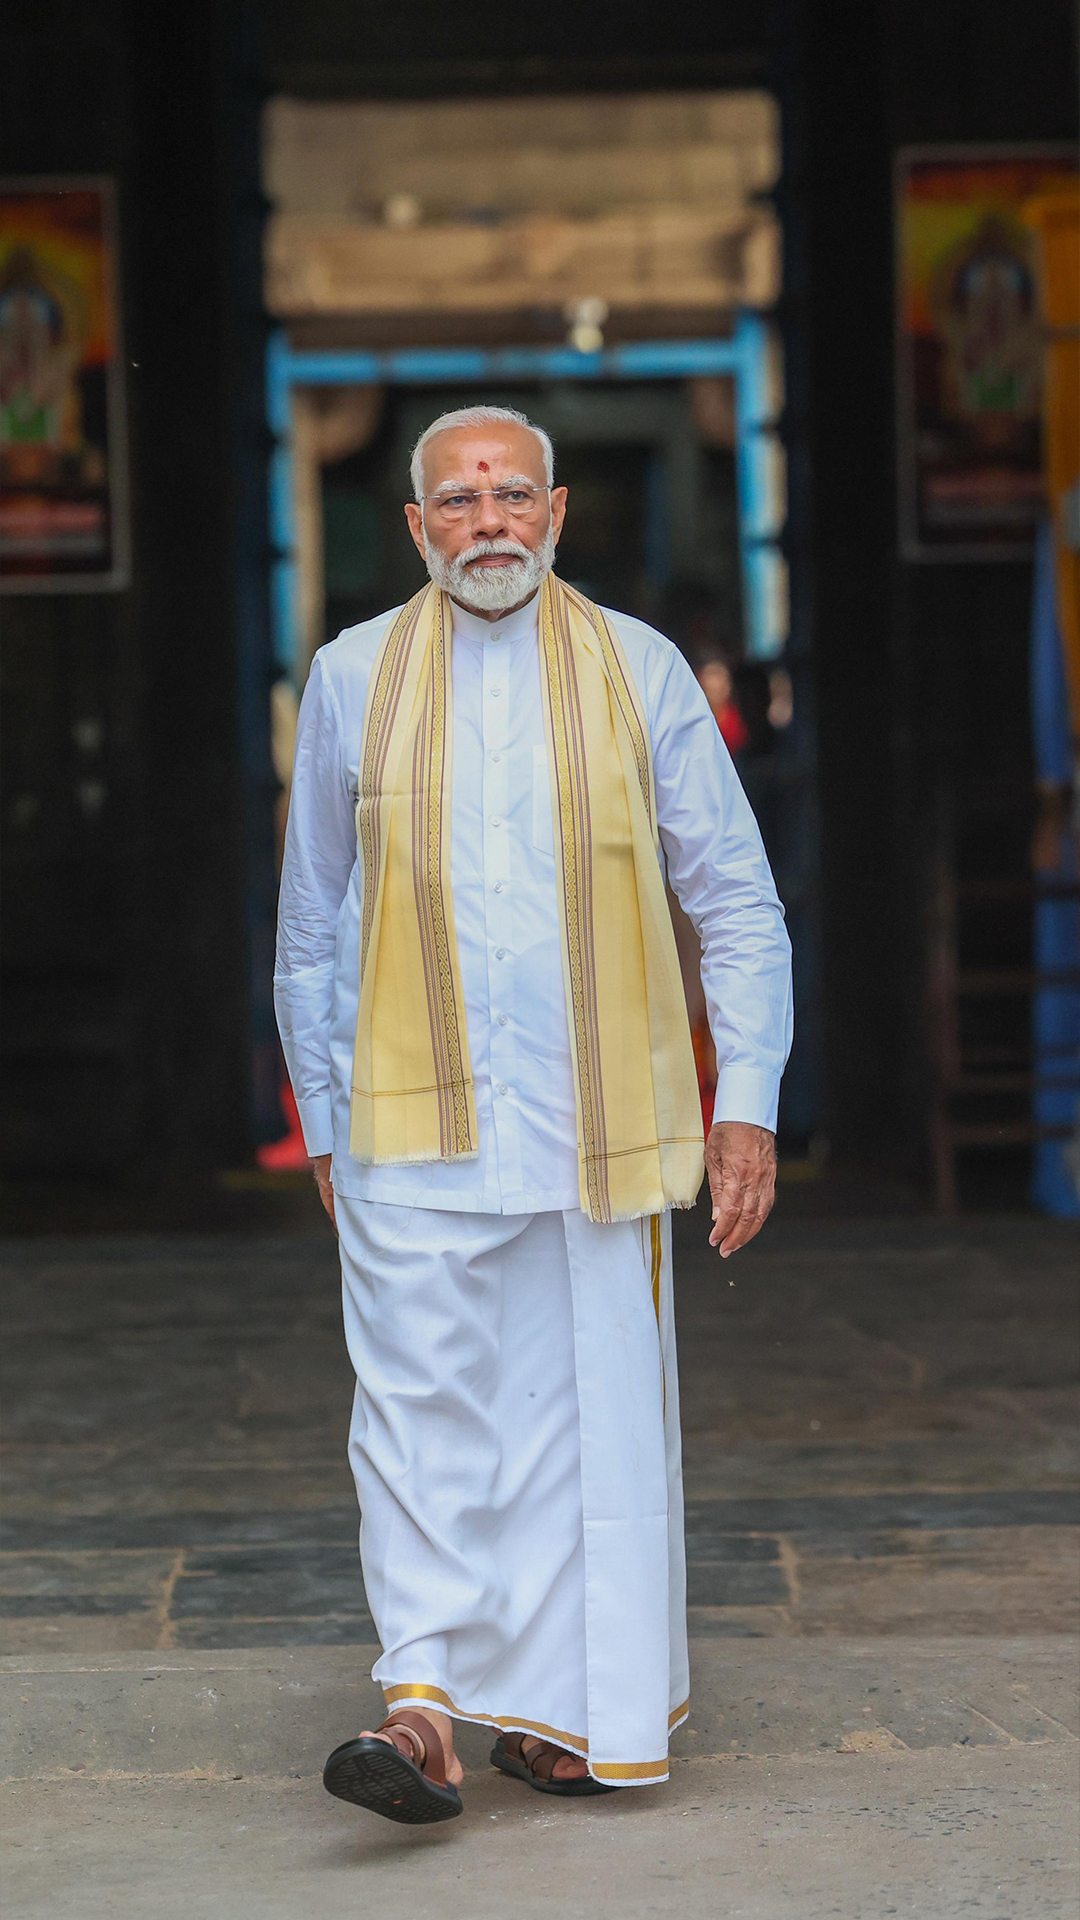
(719,872)
(320,849)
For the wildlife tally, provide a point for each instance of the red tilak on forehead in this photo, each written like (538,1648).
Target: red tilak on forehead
(483,466)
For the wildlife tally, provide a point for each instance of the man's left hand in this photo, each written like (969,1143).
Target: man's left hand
(740,1161)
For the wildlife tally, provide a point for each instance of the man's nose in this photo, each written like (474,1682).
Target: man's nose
(489,519)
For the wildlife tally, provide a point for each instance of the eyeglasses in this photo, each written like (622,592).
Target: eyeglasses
(517,501)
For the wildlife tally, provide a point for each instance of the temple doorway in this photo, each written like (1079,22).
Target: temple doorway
(607,265)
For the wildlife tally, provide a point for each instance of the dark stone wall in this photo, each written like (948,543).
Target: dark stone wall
(921,671)
(126,949)
(328,49)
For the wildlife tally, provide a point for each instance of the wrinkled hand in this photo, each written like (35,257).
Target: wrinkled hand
(740,1161)
(320,1167)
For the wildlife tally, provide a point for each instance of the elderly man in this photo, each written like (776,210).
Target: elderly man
(480,1003)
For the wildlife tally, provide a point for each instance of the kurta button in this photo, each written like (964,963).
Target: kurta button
(502,1088)
(498,886)
(495,692)
(495,820)
(502,1019)
(500,953)
(496,756)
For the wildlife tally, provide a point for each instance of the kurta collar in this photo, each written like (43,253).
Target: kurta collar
(515,626)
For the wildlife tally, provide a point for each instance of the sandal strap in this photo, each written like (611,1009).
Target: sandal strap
(424,1739)
(542,1759)
(414,1748)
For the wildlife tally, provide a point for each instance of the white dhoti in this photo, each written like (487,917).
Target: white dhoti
(515,1445)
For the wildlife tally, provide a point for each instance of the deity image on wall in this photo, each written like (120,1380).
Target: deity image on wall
(983,297)
(43,329)
(62,508)
(969,351)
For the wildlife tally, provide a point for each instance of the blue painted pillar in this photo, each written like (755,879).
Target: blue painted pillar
(1055,1013)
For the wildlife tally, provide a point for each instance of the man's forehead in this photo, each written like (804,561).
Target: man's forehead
(461,452)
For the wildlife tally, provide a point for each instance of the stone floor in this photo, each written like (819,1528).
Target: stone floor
(933,1836)
(880,1446)
(879,1423)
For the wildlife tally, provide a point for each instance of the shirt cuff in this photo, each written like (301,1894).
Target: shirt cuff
(748,1094)
(317,1124)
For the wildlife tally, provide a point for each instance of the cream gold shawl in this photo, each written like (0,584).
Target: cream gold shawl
(639,1117)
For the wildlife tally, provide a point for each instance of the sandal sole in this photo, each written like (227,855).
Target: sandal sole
(371,1774)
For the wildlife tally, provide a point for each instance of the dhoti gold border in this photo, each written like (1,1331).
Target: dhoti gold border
(635,1773)
(631,1772)
(507,1722)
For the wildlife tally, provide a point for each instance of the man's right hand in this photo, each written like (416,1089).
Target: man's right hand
(320,1167)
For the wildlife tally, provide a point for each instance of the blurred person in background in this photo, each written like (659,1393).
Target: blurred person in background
(479,999)
(717,682)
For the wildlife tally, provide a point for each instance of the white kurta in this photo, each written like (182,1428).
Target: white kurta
(515,1427)
(507,914)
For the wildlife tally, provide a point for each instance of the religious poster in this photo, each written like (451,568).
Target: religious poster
(63,505)
(969,349)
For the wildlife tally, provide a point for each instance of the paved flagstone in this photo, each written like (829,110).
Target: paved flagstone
(879,1429)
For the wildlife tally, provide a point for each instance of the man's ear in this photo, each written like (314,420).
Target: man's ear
(414,514)
(558,510)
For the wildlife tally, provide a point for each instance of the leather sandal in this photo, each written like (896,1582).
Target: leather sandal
(537,1767)
(403,1778)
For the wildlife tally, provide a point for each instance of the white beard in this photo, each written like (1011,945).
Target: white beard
(492,589)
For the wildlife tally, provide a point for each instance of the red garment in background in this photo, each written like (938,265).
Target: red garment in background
(733,728)
(705,1062)
(289,1153)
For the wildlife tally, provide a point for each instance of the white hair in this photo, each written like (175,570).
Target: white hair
(478,417)
(492,589)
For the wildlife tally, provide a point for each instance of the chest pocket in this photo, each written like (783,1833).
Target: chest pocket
(543,836)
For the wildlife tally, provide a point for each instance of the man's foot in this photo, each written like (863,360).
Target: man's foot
(569,1766)
(444,1726)
(544,1766)
(398,1770)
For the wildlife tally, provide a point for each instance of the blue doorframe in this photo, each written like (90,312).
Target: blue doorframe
(743,356)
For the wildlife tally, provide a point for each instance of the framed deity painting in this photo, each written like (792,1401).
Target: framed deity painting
(969,341)
(63,455)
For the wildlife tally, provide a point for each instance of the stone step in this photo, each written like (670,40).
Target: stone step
(260,1711)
